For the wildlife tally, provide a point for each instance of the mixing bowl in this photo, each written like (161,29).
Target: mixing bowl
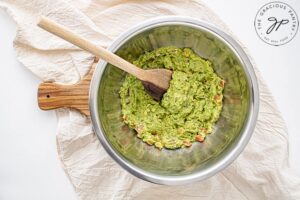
(231,132)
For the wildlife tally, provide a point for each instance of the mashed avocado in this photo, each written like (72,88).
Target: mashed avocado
(188,109)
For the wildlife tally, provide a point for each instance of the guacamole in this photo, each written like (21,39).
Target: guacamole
(188,109)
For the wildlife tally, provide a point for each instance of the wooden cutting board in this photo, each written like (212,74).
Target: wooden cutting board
(52,95)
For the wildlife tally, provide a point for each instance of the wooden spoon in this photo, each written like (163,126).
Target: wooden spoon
(155,81)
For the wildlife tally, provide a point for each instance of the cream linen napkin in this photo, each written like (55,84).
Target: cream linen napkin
(260,172)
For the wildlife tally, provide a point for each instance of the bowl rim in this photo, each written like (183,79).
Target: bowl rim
(247,130)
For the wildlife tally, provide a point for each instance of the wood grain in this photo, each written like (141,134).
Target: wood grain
(53,95)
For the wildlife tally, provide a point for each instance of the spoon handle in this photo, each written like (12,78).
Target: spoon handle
(68,35)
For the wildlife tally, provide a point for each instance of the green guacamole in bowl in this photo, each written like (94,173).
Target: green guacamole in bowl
(187,111)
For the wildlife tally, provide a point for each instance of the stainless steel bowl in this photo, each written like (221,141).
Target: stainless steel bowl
(232,131)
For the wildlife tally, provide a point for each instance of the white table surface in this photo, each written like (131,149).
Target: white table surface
(29,165)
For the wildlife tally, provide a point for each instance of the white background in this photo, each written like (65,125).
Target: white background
(29,165)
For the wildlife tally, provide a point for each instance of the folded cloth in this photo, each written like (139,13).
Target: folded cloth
(260,172)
